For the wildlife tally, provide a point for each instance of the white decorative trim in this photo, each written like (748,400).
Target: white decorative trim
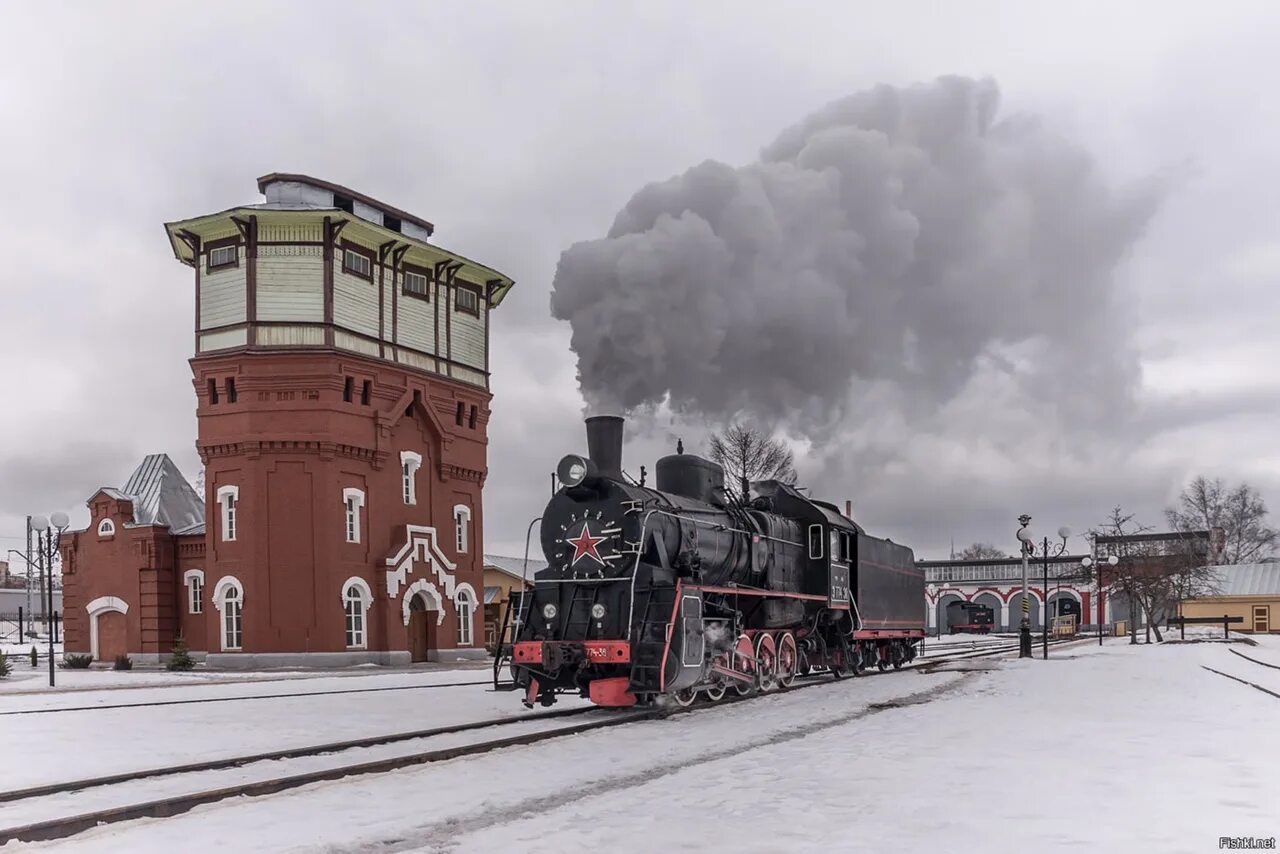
(425,587)
(462,527)
(419,544)
(187,578)
(220,590)
(351,496)
(465,589)
(366,593)
(106,528)
(98,607)
(228,496)
(412,461)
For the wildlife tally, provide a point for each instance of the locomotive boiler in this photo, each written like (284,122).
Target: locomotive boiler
(683,589)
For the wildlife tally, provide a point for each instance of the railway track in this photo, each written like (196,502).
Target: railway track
(1243,681)
(238,699)
(1254,660)
(59,826)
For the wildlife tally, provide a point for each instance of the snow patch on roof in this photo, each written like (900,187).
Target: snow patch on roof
(514,566)
(1246,579)
(162,496)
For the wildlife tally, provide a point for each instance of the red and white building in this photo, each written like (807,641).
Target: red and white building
(342,398)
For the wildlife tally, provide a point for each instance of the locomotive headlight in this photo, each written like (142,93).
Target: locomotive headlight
(549,610)
(597,611)
(573,470)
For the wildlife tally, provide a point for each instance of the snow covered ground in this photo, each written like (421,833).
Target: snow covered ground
(1133,748)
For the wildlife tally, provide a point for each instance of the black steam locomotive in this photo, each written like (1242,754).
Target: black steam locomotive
(971,617)
(681,589)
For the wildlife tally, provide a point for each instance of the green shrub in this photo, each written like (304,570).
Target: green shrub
(35,657)
(181,658)
(77,661)
(5,669)
(123,662)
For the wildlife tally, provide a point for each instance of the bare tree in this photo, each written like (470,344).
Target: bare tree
(1239,511)
(751,454)
(979,551)
(1132,574)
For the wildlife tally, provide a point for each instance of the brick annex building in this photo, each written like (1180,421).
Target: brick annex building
(341,373)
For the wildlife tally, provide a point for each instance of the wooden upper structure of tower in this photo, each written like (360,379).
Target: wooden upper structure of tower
(320,266)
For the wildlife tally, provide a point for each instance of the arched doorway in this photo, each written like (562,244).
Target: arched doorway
(944,624)
(1062,604)
(1015,611)
(992,601)
(422,628)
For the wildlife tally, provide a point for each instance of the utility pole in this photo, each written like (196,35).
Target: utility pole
(27,555)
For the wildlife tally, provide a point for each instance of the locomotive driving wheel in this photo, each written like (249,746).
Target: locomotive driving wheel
(716,692)
(684,699)
(766,663)
(788,659)
(744,661)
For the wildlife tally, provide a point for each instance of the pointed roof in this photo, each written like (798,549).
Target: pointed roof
(162,496)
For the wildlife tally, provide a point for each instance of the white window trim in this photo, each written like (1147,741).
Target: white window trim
(410,462)
(195,605)
(352,504)
(228,583)
(228,496)
(233,258)
(464,592)
(461,527)
(95,609)
(106,528)
(366,602)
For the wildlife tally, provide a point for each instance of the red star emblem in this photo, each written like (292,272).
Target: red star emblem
(585,544)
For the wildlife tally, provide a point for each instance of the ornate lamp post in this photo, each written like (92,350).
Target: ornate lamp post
(1103,563)
(47,538)
(1028,551)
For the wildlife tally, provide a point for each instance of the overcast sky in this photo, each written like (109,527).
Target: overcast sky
(521,129)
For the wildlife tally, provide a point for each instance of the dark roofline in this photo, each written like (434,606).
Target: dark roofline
(1148,538)
(986,561)
(276,177)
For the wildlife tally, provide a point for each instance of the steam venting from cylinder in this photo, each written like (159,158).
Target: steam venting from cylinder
(604,444)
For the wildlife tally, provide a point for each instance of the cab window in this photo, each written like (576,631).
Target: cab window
(815,542)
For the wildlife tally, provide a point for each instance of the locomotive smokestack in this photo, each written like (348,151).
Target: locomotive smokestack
(604,444)
(848,508)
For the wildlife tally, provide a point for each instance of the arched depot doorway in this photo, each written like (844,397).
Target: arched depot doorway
(1015,611)
(944,623)
(423,618)
(1062,604)
(108,628)
(992,601)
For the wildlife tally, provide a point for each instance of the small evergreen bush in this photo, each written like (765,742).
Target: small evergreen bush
(123,662)
(77,661)
(181,658)
(5,669)
(35,657)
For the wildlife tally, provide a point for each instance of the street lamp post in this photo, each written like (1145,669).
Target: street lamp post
(1028,551)
(1109,560)
(47,537)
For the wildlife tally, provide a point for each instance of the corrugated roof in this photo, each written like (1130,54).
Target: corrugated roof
(1247,579)
(162,496)
(513,566)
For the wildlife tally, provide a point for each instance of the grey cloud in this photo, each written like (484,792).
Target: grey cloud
(898,234)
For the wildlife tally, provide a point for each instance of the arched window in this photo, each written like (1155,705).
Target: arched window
(465,609)
(353,500)
(106,528)
(410,462)
(356,599)
(228,598)
(462,524)
(194,579)
(228,497)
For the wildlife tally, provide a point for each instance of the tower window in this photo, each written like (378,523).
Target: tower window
(346,389)
(471,421)
(213,391)
(231,389)
(416,284)
(353,500)
(461,409)
(224,256)
(462,526)
(357,261)
(410,462)
(365,390)
(228,498)
(354,605)
(466,299)
(465,606)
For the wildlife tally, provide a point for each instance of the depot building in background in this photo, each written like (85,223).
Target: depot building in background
(341,379)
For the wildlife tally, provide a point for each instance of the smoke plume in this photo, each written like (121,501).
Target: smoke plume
(905,236)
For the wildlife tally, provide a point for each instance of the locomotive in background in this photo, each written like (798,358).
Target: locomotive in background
(681,589)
